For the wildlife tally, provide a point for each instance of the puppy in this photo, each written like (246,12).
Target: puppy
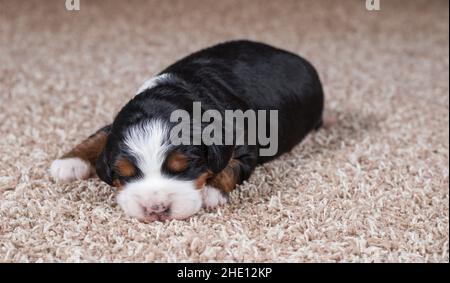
(160,180)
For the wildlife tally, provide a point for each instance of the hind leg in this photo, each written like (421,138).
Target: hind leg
(79,163)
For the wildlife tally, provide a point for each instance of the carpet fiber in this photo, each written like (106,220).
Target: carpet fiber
(372,187)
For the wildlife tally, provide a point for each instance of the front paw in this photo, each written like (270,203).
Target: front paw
(70,169)
(213,197)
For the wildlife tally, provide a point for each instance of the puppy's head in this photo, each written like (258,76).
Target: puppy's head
(158,181)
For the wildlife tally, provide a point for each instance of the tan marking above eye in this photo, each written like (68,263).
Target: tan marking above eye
(177,162)
(125,167)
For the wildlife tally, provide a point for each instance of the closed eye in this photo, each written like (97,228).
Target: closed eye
(125,168)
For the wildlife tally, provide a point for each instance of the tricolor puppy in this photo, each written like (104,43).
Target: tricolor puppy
(158,180)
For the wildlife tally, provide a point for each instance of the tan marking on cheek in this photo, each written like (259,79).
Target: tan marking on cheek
(201,181)
(125,167)
(89,149)
(177,162)
(116,183)
(227,179)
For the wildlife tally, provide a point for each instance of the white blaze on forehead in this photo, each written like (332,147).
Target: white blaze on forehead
(148,142)
(151,83)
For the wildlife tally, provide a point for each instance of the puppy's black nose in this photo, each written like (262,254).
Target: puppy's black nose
(156,208)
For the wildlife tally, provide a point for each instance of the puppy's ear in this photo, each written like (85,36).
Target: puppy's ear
(103,169)
(219,156)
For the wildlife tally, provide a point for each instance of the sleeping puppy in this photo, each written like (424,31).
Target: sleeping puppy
(160,180)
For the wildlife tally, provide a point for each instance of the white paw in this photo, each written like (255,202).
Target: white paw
(70,169)
(212,197)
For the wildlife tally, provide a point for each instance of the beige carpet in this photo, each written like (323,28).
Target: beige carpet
(374,187)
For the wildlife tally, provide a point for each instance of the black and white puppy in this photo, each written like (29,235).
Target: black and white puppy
(158,180)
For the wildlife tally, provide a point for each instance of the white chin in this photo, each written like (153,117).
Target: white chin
(182,198)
